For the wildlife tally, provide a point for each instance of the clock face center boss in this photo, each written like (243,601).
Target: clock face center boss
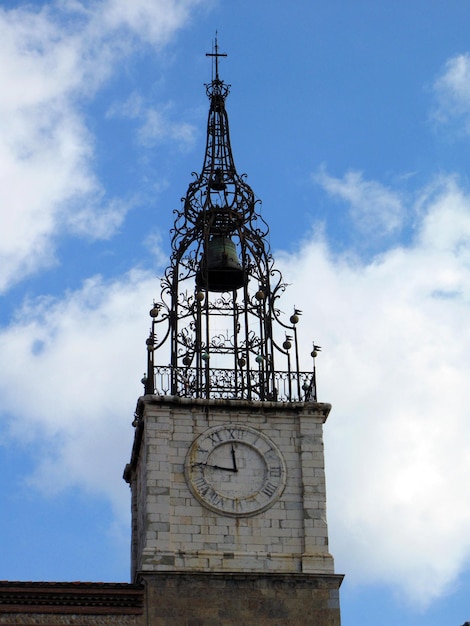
(235,470)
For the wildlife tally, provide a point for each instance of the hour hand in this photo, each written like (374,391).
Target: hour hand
(219,467)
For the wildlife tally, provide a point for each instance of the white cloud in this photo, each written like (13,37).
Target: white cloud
(84,356)
(98,221)
(452,89)
(395,366)
(153,21)
(157,127)
(50,61)
(156,124)
(394,330)
(375,209)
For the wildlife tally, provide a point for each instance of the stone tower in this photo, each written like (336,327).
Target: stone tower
(227,467)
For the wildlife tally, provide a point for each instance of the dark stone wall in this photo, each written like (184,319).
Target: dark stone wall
(204,599)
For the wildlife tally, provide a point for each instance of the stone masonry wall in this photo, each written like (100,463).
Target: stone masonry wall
(242,600)
(176,532)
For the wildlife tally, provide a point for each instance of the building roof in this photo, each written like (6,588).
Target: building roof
(71,597)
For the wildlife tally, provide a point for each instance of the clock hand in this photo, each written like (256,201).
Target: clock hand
(219,467)
(234,459)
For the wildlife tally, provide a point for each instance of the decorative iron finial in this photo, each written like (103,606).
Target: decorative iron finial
(215,54)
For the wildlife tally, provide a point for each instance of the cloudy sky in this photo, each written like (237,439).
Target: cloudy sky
(352,121)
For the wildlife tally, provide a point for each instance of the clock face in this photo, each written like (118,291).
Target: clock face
(235,470)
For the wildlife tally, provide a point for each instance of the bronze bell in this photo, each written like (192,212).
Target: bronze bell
(217,181)
(220,269)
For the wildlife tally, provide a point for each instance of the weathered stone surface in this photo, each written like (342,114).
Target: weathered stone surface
(172,530)
(183,599)
(201,567)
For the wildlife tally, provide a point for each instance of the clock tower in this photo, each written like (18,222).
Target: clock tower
(227,467)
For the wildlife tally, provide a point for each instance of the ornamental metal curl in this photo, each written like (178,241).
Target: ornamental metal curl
(218,316)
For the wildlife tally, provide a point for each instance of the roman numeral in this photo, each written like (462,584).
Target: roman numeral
(269,489)
(215,499)
(215,437)
(236,433)
(201,485)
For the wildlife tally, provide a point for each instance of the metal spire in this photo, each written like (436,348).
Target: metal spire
(218,315)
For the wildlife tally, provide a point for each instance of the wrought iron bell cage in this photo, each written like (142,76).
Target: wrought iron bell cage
(218,316)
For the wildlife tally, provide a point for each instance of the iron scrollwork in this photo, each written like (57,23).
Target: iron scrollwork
(218,317)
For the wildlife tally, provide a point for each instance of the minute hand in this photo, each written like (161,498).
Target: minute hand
(234,459)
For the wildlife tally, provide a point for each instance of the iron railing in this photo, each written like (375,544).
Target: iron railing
(222,383)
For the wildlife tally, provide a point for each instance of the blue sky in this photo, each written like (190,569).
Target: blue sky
(352,121)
